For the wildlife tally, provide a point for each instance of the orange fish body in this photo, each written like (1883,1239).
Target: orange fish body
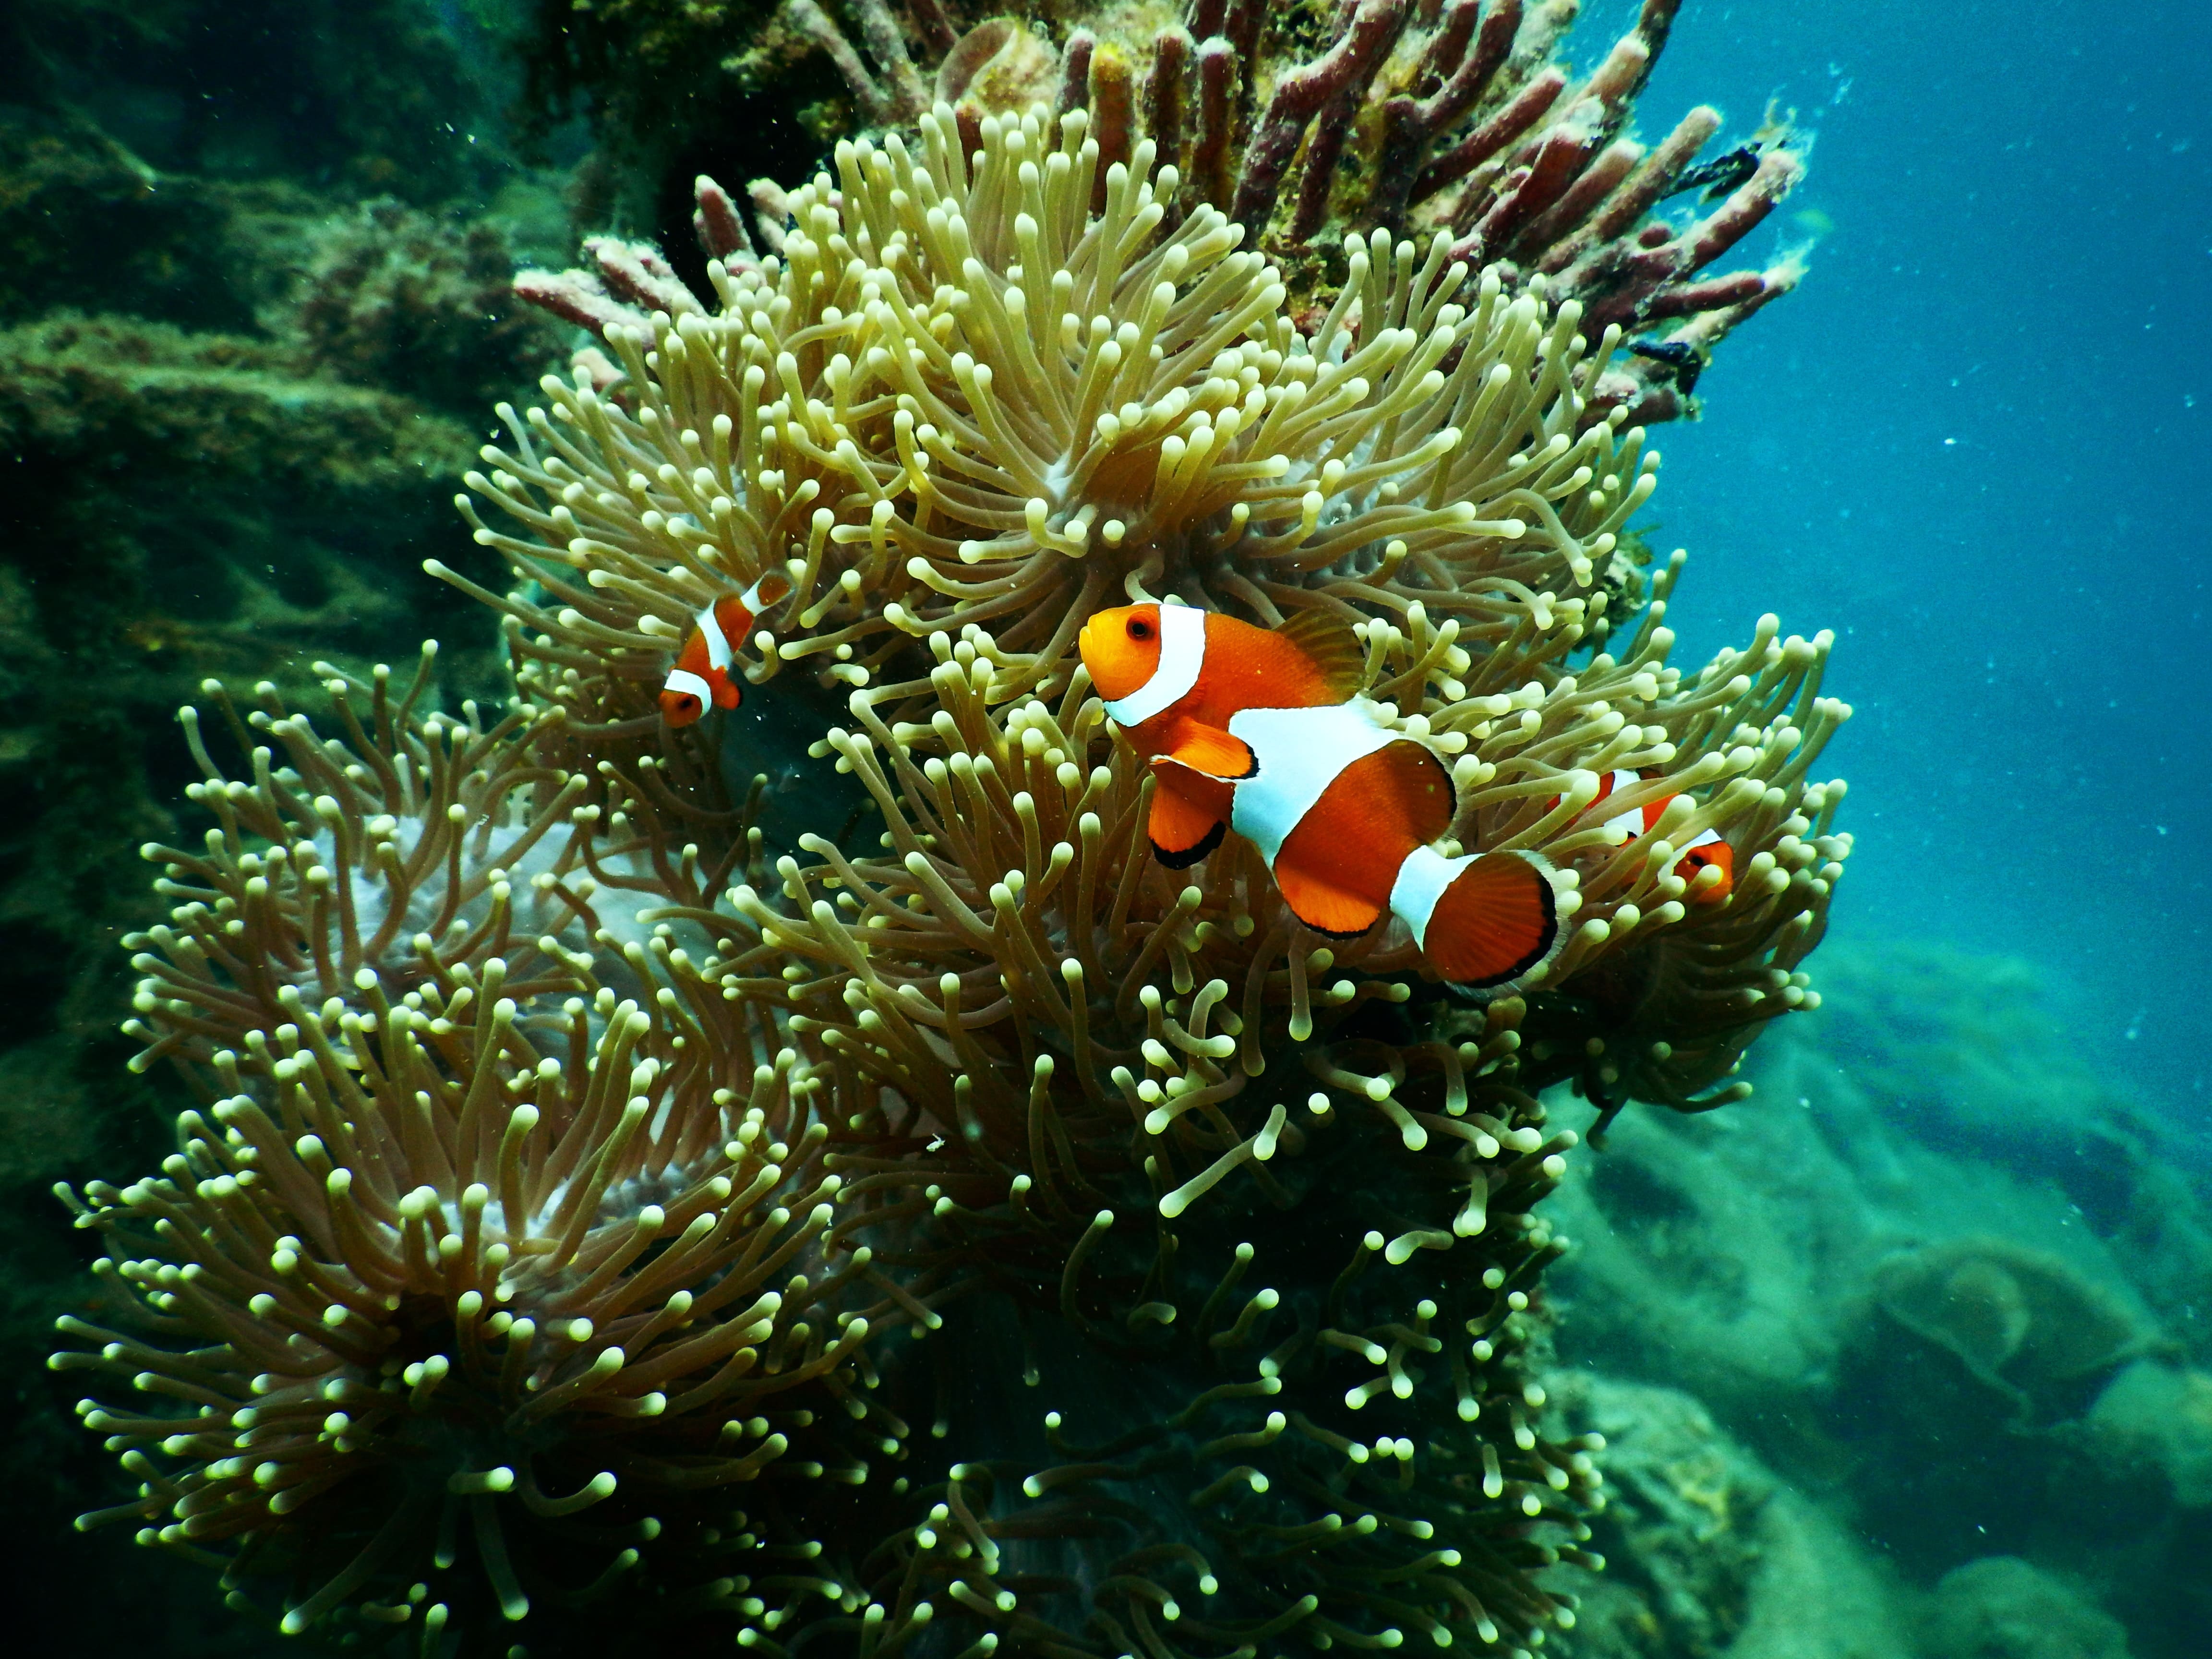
(1263,730)
(705,673)
(1706,849)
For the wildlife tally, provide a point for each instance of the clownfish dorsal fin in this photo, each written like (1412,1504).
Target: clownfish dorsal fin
(1326,640)
(1210,750)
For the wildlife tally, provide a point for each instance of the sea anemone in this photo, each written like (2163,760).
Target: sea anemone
(1410,117)
(424,1278)
(1225,1235)
(951,442)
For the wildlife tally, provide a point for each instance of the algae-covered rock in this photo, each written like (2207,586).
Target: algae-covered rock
(418,303)
(2156,1418)
(1713,1252)
(1681,1530)
(235,402)
(2003,1608)
(1708,1552)
(1942,1275)
(2020,1322)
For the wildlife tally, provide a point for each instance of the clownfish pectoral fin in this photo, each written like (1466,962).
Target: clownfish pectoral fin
(1190,813)
(1326,640)
(1496,917)
(728,694)
(1210,750)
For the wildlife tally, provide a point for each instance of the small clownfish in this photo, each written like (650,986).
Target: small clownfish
(1706,849)
(705,674)
(1263,731)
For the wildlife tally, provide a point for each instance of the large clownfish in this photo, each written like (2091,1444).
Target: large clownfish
(1706,849)
(1263,730)
(705,674)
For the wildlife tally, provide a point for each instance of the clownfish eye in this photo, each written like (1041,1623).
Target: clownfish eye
(1139,629)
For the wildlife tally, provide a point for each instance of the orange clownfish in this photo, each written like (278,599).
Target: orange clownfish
(1707,850)
(705,674)
(1263,730)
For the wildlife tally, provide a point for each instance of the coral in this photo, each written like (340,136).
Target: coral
(539,1051)
(2158,1416)
(191,491)
(2021,1323)
(2003,1608)
(397,298)
(1408,118)
(370,96)
(1939,1102)
(1683,1532)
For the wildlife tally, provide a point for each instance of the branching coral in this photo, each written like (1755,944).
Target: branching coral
(1414,117)
(530,1013)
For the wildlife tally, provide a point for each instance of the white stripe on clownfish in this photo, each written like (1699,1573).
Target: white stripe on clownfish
(1300,751)
(1638,820)
(719,654)
(1422,879)
(1624,826)
(1183,654)
(689,684)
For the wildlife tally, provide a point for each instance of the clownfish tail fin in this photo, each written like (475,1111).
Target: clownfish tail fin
(1482,921)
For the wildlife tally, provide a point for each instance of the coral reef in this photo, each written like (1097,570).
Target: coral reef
(1409,118)
(2001,1607)
(2021,1323)
(197,484)
(2157,1418)
(625,1160)
(1944,1286)
(1707,1551)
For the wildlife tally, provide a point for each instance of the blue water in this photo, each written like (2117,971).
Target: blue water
(1973,442)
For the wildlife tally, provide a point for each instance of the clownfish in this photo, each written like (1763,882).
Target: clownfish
(1263,731)
(705,674)
(1706,849)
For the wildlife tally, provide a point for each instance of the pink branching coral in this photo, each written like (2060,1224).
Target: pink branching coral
(1416,117)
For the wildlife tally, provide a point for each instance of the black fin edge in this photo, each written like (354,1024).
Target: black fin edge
(1544,945)
(1191,855)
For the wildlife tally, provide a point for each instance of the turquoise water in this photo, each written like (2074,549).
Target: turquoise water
(1912,1354)
(1967,443)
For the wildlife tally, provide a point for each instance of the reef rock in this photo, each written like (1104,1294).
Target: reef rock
(1707,1551)
(2001,1607)
(2157,1418)
(2021,1322)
